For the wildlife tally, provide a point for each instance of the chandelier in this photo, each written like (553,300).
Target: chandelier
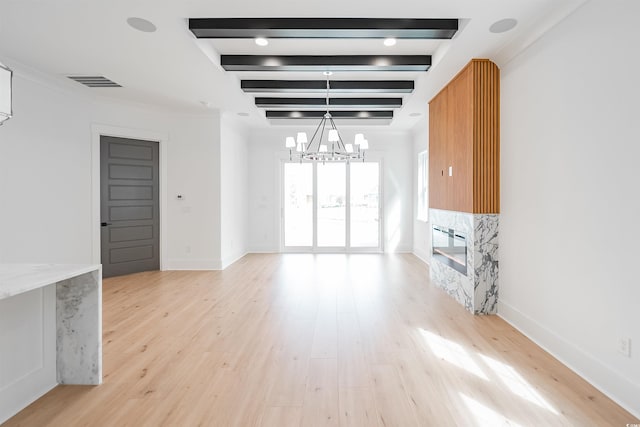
(326,144)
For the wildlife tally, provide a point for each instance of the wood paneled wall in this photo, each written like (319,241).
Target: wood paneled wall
(486,136)
(464,134)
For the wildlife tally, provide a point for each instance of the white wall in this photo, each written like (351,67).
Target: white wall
(421,229)
(45,174)
(192,169)
(234,204)
(47,193)
(570,218)
(266,148)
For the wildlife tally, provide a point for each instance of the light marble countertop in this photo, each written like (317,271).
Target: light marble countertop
(19,278)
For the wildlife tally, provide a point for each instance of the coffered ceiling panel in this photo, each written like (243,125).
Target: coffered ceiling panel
(337,114)
(323,28)
(312,44)
(347,103)
(337,86)
(171,68)
(326,63)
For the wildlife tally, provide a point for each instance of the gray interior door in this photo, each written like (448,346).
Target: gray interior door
(129,207)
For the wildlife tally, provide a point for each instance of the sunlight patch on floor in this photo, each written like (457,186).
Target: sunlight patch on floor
(484,367)
(517,384)
(485,416)
(453,353)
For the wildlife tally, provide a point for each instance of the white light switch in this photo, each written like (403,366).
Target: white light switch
(450,170)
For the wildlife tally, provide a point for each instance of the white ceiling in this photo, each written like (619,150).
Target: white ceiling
(170,68)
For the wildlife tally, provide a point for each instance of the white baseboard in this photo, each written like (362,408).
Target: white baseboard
(9,409)
(400,250)
(193,264)
(422,255)
(604,378)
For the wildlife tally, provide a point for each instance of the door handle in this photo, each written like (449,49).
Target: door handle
(104,224)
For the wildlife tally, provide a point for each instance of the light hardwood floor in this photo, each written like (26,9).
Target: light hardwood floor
(288,340)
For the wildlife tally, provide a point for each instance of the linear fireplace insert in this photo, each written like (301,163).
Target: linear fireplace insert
(450,248)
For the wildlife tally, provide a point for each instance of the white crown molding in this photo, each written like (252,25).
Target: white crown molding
(535,31)
(60,84)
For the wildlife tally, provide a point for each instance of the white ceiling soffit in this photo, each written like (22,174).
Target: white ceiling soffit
(168,69)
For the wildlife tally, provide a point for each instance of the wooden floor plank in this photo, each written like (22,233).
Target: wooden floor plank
(320,406)
(299,339)
(392,401)
(357,407)
(282,416)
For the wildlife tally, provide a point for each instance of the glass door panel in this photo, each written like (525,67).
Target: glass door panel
(298,204)
(331,223)
(365,210)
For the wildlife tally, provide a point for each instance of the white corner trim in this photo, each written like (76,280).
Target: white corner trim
(227,261)
(536,31)
(162,138)
(399,250)
(604,378)
(422,255)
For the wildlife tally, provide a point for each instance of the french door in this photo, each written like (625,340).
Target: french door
(331,207)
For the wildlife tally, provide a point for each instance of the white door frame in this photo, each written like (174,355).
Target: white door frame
(372,157)
(98,130)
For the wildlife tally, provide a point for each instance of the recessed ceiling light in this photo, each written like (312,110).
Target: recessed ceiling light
(503,25)
(327,73)
(415,114)
(141,24)
(243,114)
(390,41)
(261,41)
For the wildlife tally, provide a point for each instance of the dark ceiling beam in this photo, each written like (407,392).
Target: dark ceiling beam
(337,86)
(325,63)
(333,102)
(323,28)
(379,114)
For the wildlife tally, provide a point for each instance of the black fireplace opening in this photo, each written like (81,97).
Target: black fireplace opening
(450,248)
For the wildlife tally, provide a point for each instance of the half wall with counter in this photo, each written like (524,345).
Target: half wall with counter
(50,330)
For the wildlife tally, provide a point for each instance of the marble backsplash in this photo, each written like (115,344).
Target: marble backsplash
(477,291)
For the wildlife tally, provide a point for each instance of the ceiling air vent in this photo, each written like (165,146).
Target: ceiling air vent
(94,81)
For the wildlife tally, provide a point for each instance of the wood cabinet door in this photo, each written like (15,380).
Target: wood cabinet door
(438,151)
(464,141)
(460,142)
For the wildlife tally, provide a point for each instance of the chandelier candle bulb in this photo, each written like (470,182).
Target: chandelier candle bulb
(348,148)
(302,137)
(290,142)
(333,135)
(358,139)
(323,148)
(364,144)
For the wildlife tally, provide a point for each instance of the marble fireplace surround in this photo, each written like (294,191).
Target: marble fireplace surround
(477,291)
